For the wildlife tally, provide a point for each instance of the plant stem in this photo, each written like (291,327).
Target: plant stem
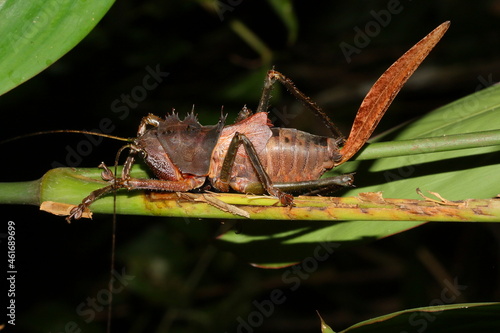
(24,193)
(70,186)
(377,150)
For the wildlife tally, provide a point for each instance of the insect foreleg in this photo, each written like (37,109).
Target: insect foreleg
(107,174)
(182,185)
(236,141)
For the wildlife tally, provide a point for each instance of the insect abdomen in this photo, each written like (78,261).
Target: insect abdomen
(292,155)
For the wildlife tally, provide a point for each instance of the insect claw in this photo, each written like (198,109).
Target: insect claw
(287,200)
(75,213)
(106,174)
(348,180)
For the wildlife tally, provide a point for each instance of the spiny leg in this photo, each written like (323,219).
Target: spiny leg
(240,139)
(108,175)
(182,185)
(319,186)
(271,78)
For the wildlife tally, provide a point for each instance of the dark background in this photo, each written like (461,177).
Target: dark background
(210,66)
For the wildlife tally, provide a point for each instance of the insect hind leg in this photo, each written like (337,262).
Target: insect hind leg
(272,77)
(265,180)
(318,186)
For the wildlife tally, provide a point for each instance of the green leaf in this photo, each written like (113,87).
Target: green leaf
(253,40)
(452,318)
(284,9)
(456,175)
(37,33)
(324,327)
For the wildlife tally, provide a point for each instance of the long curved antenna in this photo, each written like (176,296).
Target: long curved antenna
(385,90)
(65,131)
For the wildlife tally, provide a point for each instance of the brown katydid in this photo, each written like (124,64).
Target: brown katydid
(251,156)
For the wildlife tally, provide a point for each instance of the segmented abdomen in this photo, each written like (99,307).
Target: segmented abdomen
(292,155)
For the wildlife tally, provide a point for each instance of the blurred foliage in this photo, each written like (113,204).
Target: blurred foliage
(180,280)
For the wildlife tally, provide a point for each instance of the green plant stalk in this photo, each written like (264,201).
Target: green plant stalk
(20,193)
(377,150)
(66,185)
(71,186)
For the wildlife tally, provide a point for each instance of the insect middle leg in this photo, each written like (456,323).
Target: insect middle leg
(224,180)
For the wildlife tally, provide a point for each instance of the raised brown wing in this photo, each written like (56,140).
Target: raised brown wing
(385,90)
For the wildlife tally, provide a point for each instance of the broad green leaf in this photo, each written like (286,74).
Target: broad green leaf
(452,318)
(461,174)
(37,33)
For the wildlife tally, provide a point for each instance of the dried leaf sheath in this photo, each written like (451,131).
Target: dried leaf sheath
(384,91)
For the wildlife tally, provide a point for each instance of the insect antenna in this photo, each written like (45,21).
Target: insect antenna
(113,232)
(112,265)
(65,131)
(113,242)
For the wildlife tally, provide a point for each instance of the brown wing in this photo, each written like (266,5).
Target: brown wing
(385,90)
